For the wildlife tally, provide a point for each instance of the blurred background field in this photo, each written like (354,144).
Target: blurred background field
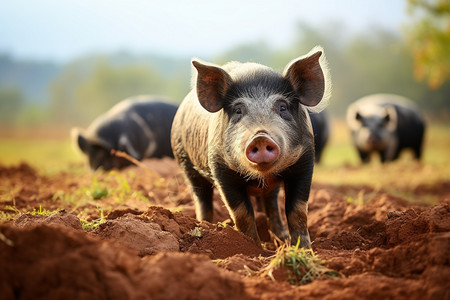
(340,165)
(406,177)
(85,57)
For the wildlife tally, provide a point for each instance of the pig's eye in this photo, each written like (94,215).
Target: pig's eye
(239,109)
(281,108)
(237,112)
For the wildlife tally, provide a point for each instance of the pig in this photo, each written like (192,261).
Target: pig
(385,124)
(321,129)
(139,126)
(245,130)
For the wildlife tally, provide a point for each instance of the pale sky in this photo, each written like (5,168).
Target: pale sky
(66,29)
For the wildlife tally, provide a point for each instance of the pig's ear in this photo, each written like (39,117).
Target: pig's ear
(212,85)
(309,76)
(391,118)
(358,116)
(79,140)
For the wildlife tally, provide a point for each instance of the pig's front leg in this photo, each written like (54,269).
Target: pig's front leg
(233,191)
(297,188)
(272,211)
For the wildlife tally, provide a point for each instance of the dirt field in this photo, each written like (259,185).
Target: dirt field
(139,240)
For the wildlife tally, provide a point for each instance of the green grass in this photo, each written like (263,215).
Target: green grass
(114,185)
(49,156)
(43,211)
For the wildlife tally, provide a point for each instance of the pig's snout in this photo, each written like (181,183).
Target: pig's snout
(262,150)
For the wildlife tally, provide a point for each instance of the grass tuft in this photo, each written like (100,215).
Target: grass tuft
(302,265)
(88,226)
(43,212)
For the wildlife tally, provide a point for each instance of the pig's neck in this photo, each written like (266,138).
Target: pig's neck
(257,187)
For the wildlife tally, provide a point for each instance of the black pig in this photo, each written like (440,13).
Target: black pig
(244,129)
(321,129)
(385,124)
(139,126)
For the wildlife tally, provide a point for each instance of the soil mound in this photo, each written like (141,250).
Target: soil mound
(145,237)
(336,223)
(221,242)
(61,218)
(414,223)
(57,263)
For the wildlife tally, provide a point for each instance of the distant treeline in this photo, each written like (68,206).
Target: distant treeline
(375,61)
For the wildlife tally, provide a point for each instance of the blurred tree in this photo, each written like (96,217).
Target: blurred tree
(258,52)
(33,115)
(375,60)
(62,92)
(11,103)
(429,38)
(31,77)
(379,63)
(89,87)
(108,84)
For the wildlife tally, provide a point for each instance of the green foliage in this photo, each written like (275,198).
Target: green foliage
(96,190)
(429,38)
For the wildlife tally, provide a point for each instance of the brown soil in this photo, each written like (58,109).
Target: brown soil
(153,248)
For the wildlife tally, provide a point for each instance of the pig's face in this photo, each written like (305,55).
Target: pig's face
(373,128)
(260,116)
(266,130)
(100,157)
(98,153)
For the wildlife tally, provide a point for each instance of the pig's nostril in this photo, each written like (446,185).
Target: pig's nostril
(255,150)
(268,148)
